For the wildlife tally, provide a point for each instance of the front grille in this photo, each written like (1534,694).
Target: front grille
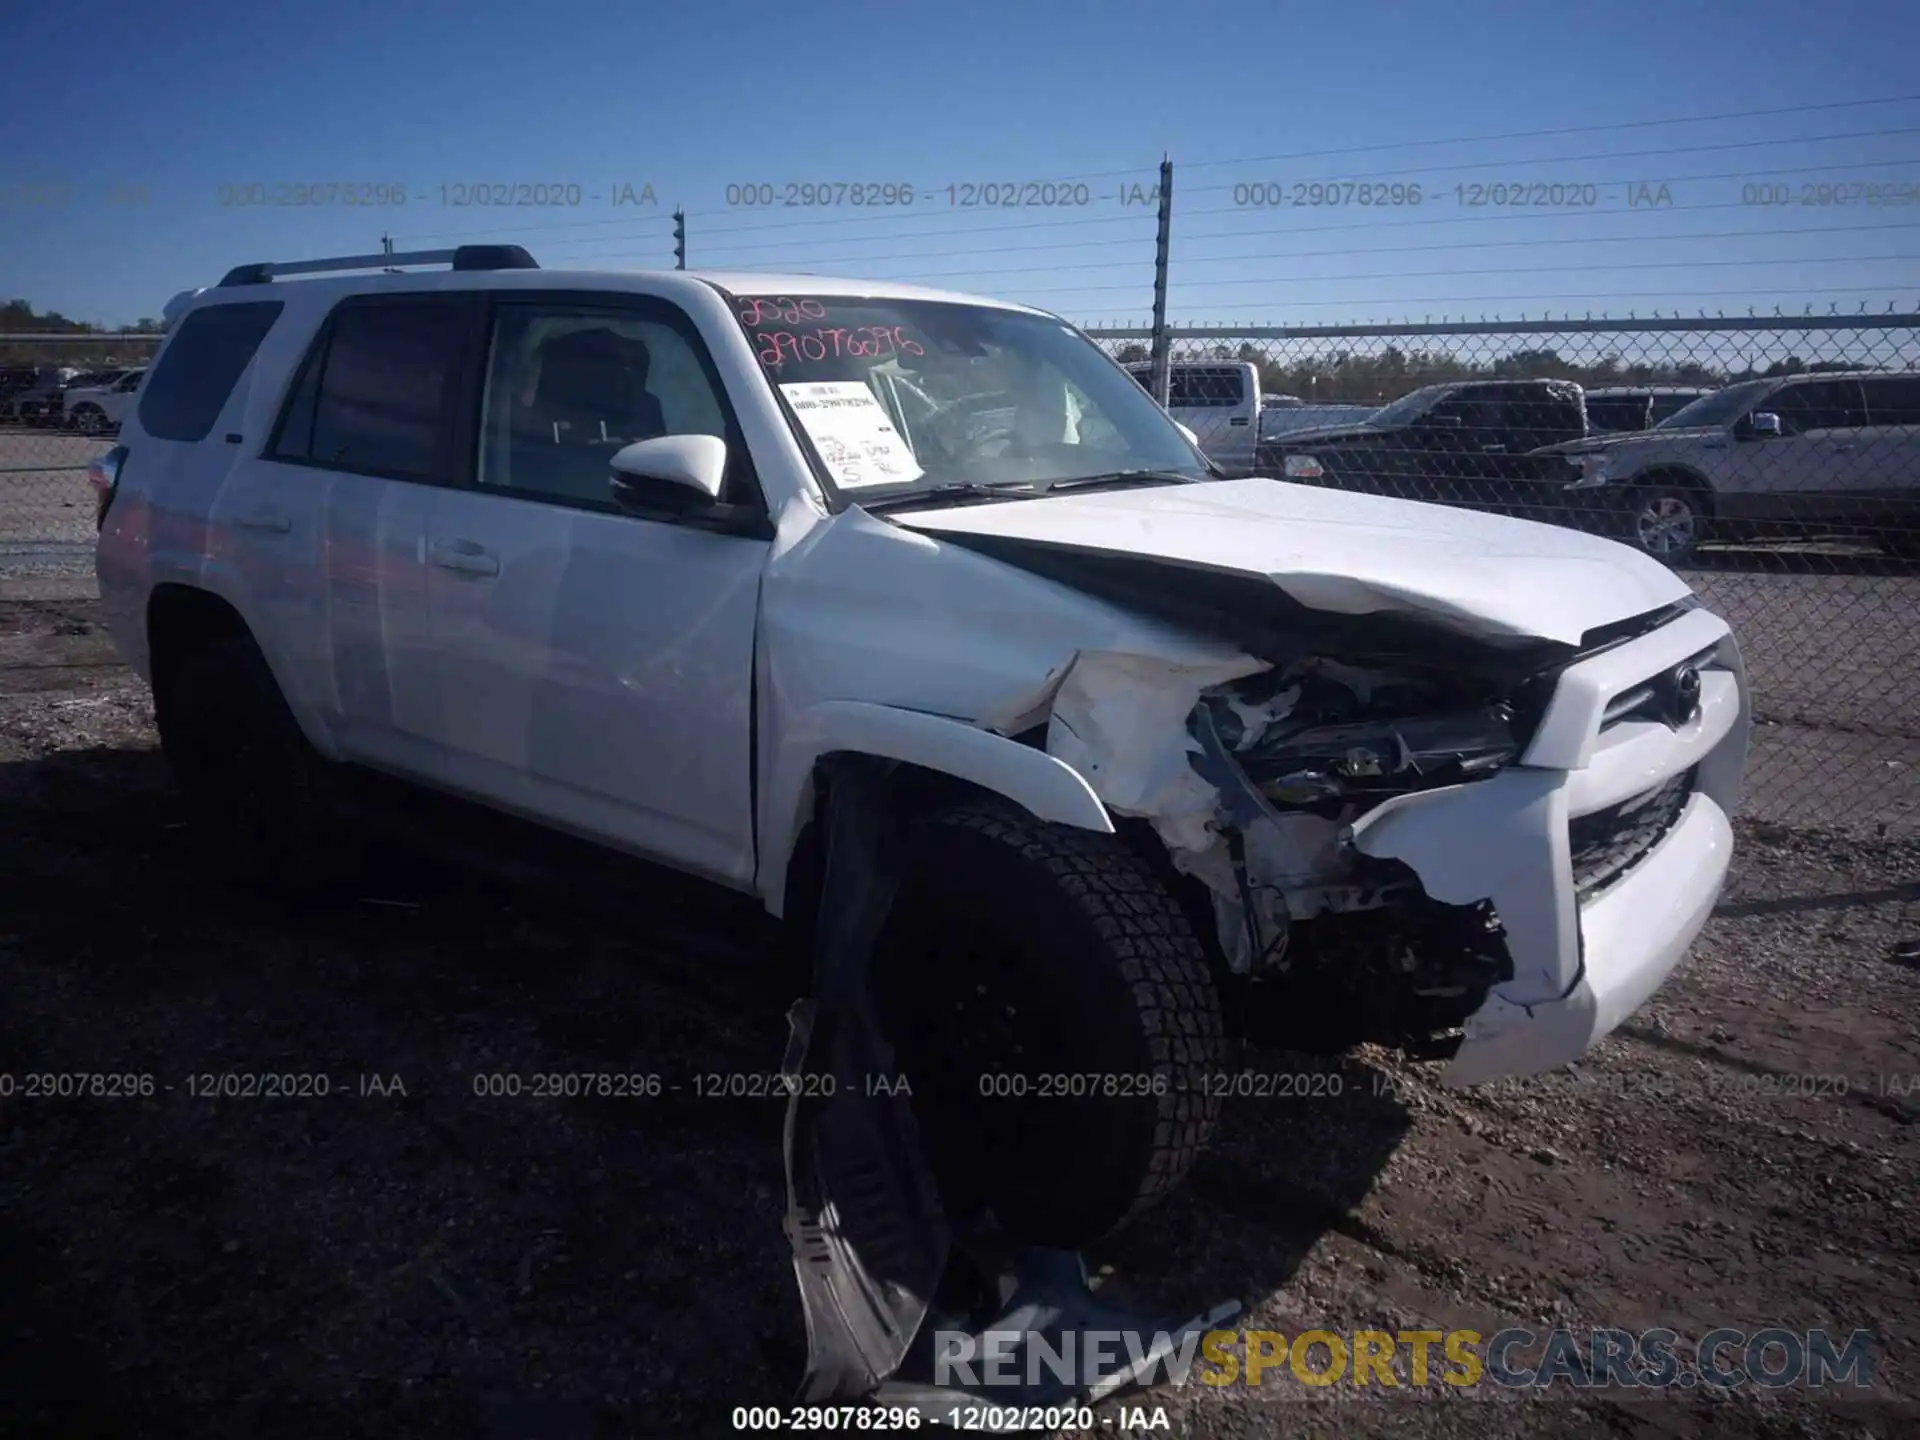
(1610,842)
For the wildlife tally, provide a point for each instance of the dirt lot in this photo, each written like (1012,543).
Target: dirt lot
(434,1263)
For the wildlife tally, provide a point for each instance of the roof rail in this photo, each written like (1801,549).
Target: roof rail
(463,257)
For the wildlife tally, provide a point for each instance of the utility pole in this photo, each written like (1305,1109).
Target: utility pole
(1162,367)
(679,238)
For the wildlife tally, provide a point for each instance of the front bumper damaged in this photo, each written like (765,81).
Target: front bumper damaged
(1599,850)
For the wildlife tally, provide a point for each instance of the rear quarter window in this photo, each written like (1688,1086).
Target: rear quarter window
(203,360)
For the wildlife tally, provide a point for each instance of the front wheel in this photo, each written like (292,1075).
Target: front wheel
(1667,521)
(90,420)
(1053,1013)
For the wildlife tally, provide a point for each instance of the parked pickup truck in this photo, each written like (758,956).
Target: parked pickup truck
(1464,442)
(910,618)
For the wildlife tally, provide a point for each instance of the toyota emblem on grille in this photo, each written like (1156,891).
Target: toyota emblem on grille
(1686,694)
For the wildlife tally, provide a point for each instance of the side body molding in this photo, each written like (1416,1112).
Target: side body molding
(1032,778)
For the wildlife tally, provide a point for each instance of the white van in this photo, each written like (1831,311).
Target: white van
(1219,401)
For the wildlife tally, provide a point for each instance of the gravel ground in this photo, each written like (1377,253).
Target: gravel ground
(434,1263)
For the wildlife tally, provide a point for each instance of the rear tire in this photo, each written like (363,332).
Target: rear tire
(1053,1013)
(254,787)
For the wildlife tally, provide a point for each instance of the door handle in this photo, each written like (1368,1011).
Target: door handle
(1237,420)
(465,557)
(270,520)
(1842,446)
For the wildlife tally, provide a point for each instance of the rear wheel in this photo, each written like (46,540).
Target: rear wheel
(1667,519)
(1053,1014)
(254,786)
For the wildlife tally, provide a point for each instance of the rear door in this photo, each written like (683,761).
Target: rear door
(596,666)
(365,438)
(1887,474)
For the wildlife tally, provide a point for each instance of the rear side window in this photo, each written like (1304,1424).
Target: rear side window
(203,361)
(1818,405)
(1207,389)
(1894,400)
(375,394)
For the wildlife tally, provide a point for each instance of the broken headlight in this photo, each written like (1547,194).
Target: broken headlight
(1335,733)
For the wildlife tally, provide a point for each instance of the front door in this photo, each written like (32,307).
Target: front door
(595,668)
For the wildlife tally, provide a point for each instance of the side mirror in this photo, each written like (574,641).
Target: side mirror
(1764,422)
(689,463)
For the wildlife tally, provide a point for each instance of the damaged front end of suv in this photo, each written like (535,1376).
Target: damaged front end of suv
(1255,796)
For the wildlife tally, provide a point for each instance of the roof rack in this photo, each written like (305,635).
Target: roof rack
(463,257)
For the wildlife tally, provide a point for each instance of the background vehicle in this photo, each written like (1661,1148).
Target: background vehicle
(1798,457)
(1617,408)
(1465,442)
(1278,420)
(1219,401)
(44,401)
(97,404)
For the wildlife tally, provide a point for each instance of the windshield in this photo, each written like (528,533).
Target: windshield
(1722,407)
(899,396)
(1407,406)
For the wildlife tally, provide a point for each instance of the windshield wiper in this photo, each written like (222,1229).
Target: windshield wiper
(1123,477)
(964,489)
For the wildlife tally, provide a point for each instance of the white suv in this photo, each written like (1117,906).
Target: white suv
(646,558)
(95,408)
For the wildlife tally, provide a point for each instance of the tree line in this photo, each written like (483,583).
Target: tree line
(19,317)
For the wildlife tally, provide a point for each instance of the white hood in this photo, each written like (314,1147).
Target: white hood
(1350,554)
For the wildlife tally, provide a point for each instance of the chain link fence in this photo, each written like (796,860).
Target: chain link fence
(1774,462)
(61,398)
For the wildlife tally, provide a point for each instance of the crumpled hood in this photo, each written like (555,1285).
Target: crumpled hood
(1349,554)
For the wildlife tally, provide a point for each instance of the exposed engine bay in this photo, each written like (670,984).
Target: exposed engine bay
(1253,792)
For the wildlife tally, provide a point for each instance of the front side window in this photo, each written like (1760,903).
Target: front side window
(1722,407)
(894,396)
(568,387)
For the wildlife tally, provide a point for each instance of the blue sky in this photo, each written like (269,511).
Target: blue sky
(121,158)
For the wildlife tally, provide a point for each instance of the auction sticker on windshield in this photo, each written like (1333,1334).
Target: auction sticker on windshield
(852,432)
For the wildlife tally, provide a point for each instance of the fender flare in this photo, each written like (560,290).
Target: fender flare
(1048,788)
(217,580)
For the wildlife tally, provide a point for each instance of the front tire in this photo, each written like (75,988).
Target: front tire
(1053,1013)
(1667,520)
(90,420)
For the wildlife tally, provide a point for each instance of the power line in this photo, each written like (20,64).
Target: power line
(1607,155)
(1345,250)
(1325,154)
(1564,130)
(1141,215)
